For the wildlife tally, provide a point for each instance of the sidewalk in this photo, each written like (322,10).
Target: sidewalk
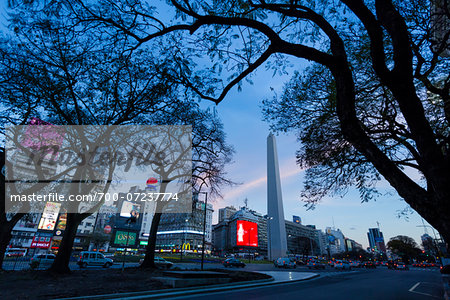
(277,278)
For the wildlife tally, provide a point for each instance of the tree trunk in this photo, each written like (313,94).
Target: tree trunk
(5,238)
(149,259)
(61,263)
(6,228)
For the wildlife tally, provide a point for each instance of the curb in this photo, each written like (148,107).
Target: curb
(446,285)
(156,294)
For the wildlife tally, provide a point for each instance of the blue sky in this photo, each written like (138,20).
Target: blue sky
(242,118)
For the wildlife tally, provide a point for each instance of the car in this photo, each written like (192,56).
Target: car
(160,262)
(109,255)
(42,261)
(300,262)
(342,265)
(369,265)
(401,266)
(233,262)
(284,262)
(355,264)
(316,264)
(93,258)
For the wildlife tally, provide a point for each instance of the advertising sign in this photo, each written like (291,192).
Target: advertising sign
(41,240)
(62,221)
(130,209)
(49,216)
(246,233)
(121,238)
(297,219)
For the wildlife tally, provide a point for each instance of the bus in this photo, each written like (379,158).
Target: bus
(14,252)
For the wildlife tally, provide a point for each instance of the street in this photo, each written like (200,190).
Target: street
(377,284)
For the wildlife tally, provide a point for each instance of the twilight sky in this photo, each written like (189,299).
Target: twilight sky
(242,118)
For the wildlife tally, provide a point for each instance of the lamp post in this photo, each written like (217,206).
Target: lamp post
(269,242)
(434,241)
(183,246)
(204,228)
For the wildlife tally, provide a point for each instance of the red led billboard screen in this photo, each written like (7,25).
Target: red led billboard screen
(247,234)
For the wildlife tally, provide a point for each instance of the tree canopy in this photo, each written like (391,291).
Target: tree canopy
(379,99)
(384,64)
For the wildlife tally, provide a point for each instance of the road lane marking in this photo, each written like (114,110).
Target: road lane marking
(412,289)
(420,293)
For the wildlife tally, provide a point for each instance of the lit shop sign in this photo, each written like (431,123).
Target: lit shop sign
(247,234)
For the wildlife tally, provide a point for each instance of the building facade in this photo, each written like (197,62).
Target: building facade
(376,240)
(177,231)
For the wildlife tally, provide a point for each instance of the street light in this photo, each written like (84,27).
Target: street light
(184,244)
(434,241)
(269,241)
(204,228)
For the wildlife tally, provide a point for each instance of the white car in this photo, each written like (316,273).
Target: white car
(42,261)
(92,258)
(160,262)
(342,265)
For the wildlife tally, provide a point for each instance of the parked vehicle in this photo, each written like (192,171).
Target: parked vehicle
(342,265)
(316,264)
(160,262)
(42,261)
(284,262)
(233,262)
(92,258)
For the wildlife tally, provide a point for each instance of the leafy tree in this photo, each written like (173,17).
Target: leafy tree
(383,65)
(404,246)
(53,71)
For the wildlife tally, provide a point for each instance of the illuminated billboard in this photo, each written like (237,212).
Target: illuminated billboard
(130,209)
(246,234)
(125,238)
(49,216)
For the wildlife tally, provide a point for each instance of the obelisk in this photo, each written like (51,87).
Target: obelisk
(276,240)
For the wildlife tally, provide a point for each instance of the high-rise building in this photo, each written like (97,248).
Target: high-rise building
(376,240)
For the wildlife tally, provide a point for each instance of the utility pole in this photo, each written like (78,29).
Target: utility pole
(204,228)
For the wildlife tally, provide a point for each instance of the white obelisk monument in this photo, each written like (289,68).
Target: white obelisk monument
(276,240)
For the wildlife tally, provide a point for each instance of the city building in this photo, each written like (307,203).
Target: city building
(24,231)
(336,240)
(177,231)
(376,240)
(352,245)
(301,239)
(226,213)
